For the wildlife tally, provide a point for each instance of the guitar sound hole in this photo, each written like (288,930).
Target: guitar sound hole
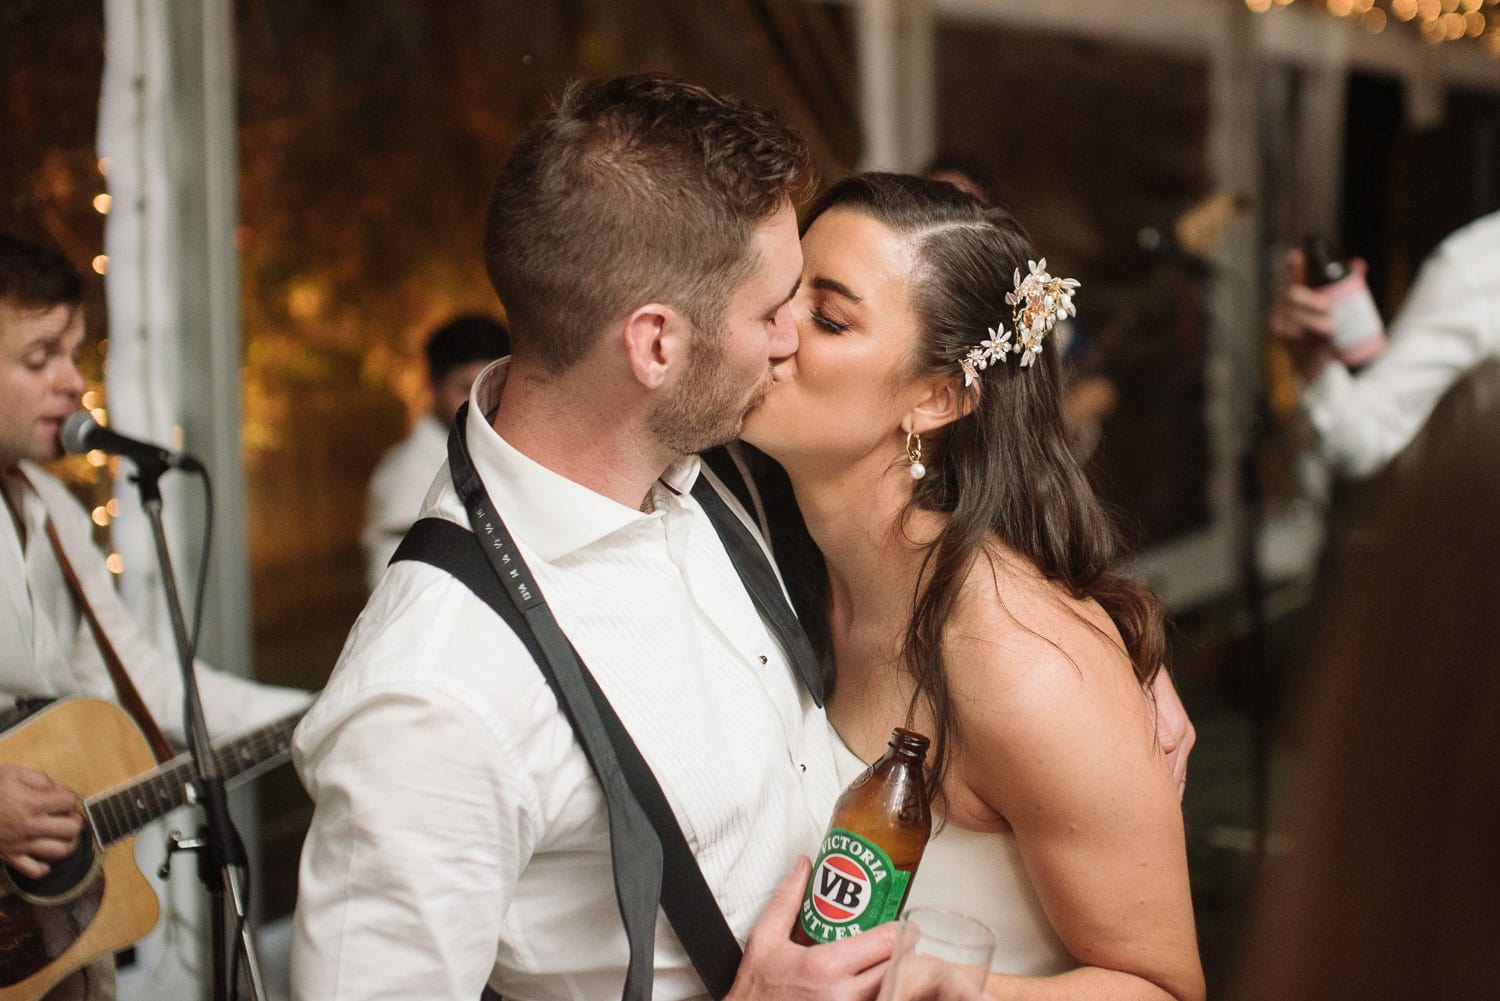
(65,874)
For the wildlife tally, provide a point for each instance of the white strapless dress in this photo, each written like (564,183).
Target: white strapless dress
(980,874)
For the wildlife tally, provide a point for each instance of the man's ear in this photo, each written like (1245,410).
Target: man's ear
(944,401)
(657,339)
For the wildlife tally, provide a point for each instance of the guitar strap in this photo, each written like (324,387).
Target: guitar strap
(130,698)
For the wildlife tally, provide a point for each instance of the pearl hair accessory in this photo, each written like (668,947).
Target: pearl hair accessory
(914,455)
(1038,302)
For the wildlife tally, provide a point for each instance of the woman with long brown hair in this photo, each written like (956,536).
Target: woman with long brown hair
(962,587)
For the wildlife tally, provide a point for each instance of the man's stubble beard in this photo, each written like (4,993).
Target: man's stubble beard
(707,408)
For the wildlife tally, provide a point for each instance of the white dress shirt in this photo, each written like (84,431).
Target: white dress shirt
(459,836)
(47,648)
(1450,324)
(397,488)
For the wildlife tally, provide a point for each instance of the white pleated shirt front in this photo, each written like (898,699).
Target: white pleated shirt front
(459,836)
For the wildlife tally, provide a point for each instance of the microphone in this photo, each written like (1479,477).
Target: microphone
(81,433)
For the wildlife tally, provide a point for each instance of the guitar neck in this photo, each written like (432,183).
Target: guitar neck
(121,812)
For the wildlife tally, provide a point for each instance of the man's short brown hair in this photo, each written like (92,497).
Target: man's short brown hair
(633,190)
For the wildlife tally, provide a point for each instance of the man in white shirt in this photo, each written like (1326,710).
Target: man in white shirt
(644,242)
(643,239)
(1450,324)
(456,353)
(46,646)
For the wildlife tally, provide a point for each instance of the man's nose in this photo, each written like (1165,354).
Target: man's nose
(783,334)
(70,381)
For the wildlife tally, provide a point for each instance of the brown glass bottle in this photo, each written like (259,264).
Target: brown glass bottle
(874,843)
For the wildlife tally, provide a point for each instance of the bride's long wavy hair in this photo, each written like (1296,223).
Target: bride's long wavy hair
(1005,467)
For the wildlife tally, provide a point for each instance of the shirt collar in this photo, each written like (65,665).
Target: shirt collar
(554,515)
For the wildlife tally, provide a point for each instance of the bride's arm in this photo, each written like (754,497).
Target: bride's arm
(1054,737)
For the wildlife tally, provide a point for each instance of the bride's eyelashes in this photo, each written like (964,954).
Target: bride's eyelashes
(826,322)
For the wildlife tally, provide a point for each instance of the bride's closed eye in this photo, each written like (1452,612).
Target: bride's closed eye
(826,322)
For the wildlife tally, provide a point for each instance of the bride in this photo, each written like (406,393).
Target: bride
(967,591)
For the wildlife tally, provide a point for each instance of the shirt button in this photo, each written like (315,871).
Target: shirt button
(762,658)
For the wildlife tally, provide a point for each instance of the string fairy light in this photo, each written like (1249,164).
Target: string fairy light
(1438,21)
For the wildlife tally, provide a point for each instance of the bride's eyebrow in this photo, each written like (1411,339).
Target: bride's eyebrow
(837,287)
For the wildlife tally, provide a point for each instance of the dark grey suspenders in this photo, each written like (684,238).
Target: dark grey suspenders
(651,858)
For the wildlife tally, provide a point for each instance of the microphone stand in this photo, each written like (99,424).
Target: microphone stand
(221,853)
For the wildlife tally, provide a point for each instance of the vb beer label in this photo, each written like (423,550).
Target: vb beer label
(853,888)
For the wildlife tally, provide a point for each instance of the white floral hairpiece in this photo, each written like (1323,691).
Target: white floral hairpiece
(1038,302)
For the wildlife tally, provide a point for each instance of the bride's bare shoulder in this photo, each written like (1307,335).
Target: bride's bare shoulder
(1013,629)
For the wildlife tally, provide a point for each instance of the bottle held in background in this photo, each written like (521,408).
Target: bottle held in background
(1358,331)
(874,843)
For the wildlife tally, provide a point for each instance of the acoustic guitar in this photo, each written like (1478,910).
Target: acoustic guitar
(96,901)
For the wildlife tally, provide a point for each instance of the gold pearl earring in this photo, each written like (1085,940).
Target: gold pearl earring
(914,454)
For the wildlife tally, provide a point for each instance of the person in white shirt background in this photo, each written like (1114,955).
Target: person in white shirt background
(46,647)
(1449,324)
(456,353)
(643,239)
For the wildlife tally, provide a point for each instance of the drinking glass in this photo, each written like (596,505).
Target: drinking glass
(937,947)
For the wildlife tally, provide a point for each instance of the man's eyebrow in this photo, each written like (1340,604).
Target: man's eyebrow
(831,285)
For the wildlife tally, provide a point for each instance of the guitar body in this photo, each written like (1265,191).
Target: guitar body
(91,747)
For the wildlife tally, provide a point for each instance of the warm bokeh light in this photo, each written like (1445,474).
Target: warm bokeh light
(97,458)
(102,202)
(90,399)
(1441,20)
(115,563)
(104,165)
(100,264)
(113,507)
(100,416)
(100,516)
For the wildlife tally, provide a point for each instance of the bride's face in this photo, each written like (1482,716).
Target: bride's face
(842,396)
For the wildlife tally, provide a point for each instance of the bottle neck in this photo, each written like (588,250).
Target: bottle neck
(908,744)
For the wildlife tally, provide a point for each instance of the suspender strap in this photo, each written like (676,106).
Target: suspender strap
(722,463)
(685,896)
(130,698)
(648,849)
(760,580)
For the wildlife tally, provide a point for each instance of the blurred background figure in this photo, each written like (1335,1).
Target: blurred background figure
(1392,886)
(966,174)
(456,353)
(1450,323)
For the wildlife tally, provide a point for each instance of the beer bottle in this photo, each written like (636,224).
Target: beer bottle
(1358,331)
(874,842)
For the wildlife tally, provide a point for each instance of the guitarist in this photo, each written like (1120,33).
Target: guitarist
(61,622)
